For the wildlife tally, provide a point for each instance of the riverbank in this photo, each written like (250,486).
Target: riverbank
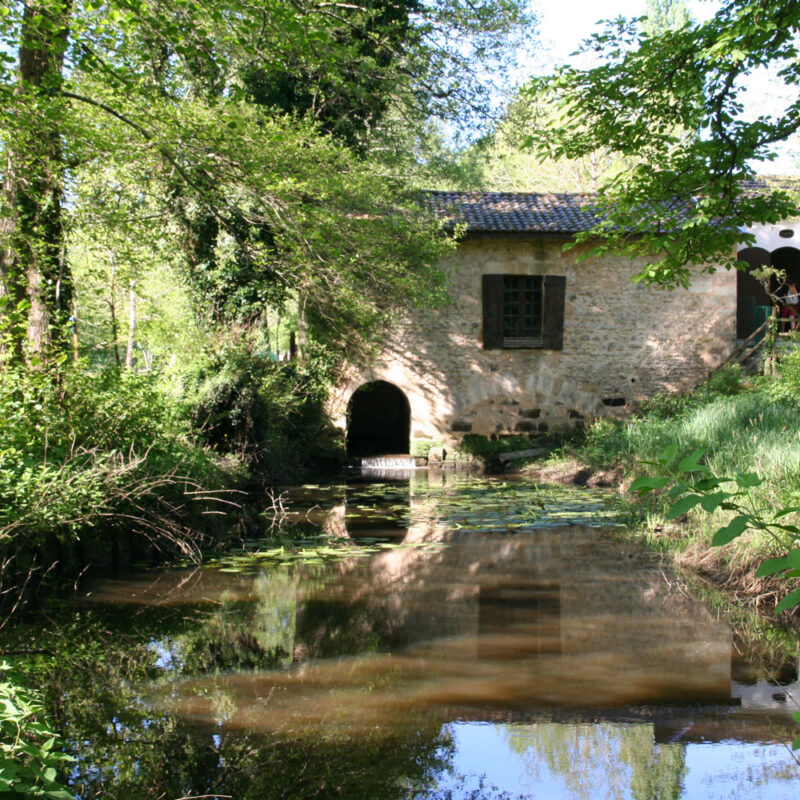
(741,426)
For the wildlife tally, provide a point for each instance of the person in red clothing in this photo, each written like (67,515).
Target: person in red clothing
(788,301)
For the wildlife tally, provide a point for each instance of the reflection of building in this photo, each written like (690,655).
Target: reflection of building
(537,339)
(548,617)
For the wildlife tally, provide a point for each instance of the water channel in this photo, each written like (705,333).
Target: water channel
(433,636)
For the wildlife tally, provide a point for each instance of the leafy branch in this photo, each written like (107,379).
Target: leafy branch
(29,762)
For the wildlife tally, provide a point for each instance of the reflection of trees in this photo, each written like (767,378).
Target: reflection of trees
(657,770)
(166,757)
(252,634)
(623,760)
(112,664)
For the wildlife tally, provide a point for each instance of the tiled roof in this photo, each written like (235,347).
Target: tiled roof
(514,212)
(761,183)
(525,212)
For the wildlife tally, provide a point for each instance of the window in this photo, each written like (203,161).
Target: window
(523,311)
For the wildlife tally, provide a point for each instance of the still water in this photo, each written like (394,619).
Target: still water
(432,637)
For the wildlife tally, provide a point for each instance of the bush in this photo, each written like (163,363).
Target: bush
(29,764)
(725,382)
(269,414)
(785,386)
(421,447)
(79,446)
(476,445)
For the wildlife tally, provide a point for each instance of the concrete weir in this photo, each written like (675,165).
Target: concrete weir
(388,462)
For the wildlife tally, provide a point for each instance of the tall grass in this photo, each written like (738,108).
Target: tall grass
(753,429)
(742,426)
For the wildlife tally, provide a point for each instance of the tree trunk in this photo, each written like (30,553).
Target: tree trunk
(113,312)
(131,326)
(32,266)
(75,339)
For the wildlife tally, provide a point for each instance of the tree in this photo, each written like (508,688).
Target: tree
(665,15)
(32,268)
(191,95)
(508,165)
(672,102)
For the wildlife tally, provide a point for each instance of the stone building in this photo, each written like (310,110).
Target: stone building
(535,339)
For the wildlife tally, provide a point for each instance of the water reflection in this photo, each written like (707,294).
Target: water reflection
(517,659)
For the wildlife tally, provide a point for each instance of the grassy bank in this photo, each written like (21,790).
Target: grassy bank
(742,425)
(90,454)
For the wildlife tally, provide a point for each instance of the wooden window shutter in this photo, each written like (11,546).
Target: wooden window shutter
(492,293)
(553,323)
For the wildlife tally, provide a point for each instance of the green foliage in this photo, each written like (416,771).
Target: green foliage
(79,446)
(268,414)
(740,425)
(477,445)
(671,102)
(506,163)
(727,381)
(694,485)
(421,447)
(784,386)
(261,143)
(665,15)
(30,764)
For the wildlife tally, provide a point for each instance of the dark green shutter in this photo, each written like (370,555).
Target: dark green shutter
(553,307)
(492,312)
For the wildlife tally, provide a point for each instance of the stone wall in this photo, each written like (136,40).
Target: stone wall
(622,342)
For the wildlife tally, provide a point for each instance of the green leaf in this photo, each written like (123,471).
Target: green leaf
(677,490)
(736,527)
(748,479)
(711,502)
(683,505)
(784,511)
(692,462)
(790,601)
(668,454)
(646,484)
(772,566)
(707,484)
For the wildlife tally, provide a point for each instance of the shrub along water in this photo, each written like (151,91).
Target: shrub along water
(268,415)
(29,759)
(82,449)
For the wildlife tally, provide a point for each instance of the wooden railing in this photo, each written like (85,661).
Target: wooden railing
(741,352)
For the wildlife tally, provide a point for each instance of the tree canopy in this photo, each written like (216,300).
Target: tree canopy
(252,135)
(672,101)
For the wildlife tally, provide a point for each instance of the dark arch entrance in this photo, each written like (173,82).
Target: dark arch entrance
(378,421)
(787,258)
(750,293)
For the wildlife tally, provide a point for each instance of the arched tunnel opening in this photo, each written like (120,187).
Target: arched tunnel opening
(379,421)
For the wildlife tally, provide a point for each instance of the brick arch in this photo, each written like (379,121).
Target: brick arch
(378,420)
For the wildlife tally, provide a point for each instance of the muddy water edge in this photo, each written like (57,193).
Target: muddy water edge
(419,636)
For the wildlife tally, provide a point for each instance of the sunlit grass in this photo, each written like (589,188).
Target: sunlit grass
(746,432)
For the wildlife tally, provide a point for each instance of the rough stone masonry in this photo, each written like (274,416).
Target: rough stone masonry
(622,342)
